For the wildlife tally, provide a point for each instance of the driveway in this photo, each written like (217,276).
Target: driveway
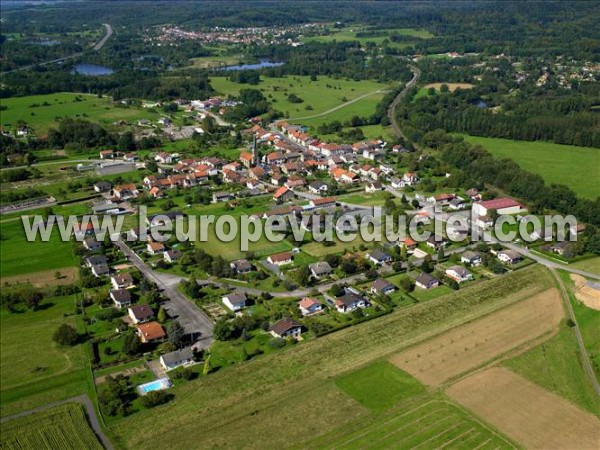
(196,324)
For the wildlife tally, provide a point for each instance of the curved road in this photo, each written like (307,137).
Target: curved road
(392,109)
(97,46)
(82,400)
(343,105)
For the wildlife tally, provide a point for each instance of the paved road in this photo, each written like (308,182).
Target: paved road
(97,46)
(392,109)
(587,365)
(343,105)
(195,323)
(81,399)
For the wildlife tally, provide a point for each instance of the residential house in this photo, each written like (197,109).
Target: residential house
(457,203)
(280,259)
(172,256)
(221,197)
(409,179)
(151,332)
(408,243)
(294,182)
(442,199)
(155,248)
(247,159)
(235,302)
(107,154)
(378,257)
(382,287)
(99,270)
(323,203)
(473,194)
(102,186)
(178,358)
(125,191)
(471,257)
(241,266)
(140,313)
(286,328)
(309,306)
(426,281)
(91,244)
(164,158)
(435,241)
(459,274)
(120,297)
(318,187)
(509,256)
(320,269)
(373,186)
(349,302)
(283,194)
(122,281)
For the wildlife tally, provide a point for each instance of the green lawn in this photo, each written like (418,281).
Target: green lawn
(591,265)
(63,104)
(19,256)
(34,370)
(556,366)
(575,167)
(349,34)
(365,199)
(322,95)
(65,427)
(379,385)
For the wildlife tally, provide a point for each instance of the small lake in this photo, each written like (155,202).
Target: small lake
(259,65)
(92,69)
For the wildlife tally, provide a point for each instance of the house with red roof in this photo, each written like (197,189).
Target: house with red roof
(283,194)
(504,205)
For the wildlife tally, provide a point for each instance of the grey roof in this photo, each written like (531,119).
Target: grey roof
(141,311)
(121,295)
(242,265)
(237,298)
(96,260)
(284,325)
(320,268)
(185,354)
(459,270)
(380,285)
(471,255)
(379,255)
(426,280)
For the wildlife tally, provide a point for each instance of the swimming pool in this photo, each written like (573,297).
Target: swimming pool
(156,385)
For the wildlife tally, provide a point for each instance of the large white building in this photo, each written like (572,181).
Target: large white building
(505,205)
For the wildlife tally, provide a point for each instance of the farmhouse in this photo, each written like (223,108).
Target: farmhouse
(459,274)
(122,281)
(280,259)
(426,281)
(155,248)
(505,205)
(320,269)
(309,306)
(319,203)
(140,313)
(235,302)
(150,332)
(283,194)
(178,358)
(286,328)
(120,297)
(382,287)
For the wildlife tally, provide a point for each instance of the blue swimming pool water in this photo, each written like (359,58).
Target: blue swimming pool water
(156,385)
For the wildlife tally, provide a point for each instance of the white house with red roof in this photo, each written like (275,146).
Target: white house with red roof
(504,205)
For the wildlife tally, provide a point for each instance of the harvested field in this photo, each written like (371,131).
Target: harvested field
(469,346)
(587,294)
(68,275)
(451,86)
(527,413)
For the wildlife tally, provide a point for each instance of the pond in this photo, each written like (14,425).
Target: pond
(92,69)
(259,65)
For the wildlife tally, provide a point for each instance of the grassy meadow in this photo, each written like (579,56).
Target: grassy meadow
(322,95)
(18,256)
(63,427)
(349,34)
(573,166)
(292,397)
(33,369)
(52,107)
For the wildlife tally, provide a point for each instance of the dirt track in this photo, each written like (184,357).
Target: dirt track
(525,412)
(470,346)
(68,275)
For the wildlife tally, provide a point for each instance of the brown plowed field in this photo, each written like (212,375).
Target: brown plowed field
(525,412)
(470,346)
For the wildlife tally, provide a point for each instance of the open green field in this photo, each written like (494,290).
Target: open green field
(290,397)
(575,167)
(64,104)
(323,94)
(63,427)
(349,34)
(33,369)
(591,265)
(426,422)
(365,199)
(379,386)
(19,256)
